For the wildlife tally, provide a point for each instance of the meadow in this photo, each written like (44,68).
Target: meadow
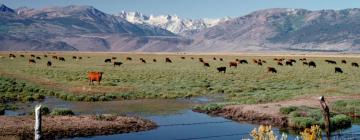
(246,84)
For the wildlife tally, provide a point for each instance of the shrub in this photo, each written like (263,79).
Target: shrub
(302,122)
(288,110)
(2,110)
(340,121)
(61,112)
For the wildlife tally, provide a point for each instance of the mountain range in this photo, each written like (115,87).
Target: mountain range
(85,28)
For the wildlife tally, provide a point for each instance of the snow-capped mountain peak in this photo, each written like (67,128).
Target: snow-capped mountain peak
(171,23)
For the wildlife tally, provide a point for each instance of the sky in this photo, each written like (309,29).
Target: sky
(193,9)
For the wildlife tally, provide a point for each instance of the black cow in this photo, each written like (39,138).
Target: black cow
(74,57)
(32,55)
(221,69)
(305,63)
(117,63)
(32,61)
(143,60)
(39,58)
(167,60)
(354,64)
(243,62)
(201,60)
(312,64)
(221,59)
(45,55)
(288,63)
(279,63)
(343,61)
(182,57)
(48,63)
(22,55)
(338,70)
(107,61)
(61,59)
(206,64)
(128,58)
(330,61)
(214,58)
(154,60)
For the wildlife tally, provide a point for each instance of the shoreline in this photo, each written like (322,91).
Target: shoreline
(72,126)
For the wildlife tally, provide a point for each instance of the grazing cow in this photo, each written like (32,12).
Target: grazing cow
(354,64)
(305,63)
(292,60)
(143,60)
(79,57)
(275,59)
(312,64)
(12,55)
(279,63)
(117,63)
(182,57)
(343,61)
(237,60)
(201,60)
(167,60)
(330,61)
(302,59)
(214,58)
(94,76)
(221,69)
(192,58)
(48,63)
(22,55)
(32,55)
(288,63)
(154,60)
(221,59)
(54,57)
(338,70)
(259,63)
(263,61)
(74,57)
(272,69)
(45,55)
(232,64)
(255,61)
(113,58)
(39,58)
(243,62)
(206,64)
(107,61)
(61,59)
(128,58)
(32,61)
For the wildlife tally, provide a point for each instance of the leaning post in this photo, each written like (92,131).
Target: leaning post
(38,122)
(326,113)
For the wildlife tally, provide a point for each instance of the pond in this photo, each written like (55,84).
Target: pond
(175,119)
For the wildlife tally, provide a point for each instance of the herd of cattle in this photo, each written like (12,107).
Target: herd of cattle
(96,76)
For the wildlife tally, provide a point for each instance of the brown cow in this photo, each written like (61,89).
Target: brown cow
(182,57)
(54,57)
(232,64)
(128,58)
(154,60)
(271,69)
(343,61)
(94,76)
(201,60)
(221,59)
(255,61)
(113,58)
(61,58)
(280,64)
(39,58)
(259,63)
(354,64)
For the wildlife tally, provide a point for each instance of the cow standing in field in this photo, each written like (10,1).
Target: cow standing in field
(12,56)
(38,58)
(312,64)
(74,57)
(54,57)
(221,69)
(167,60)
(107,61)
(272,70)
(243,62)
(61,59)
(233,64)
(330,61)
(214,58)
(128,58)
(279,63)
(259,63)
(32,61)
(113,58)
(305,63)
(32,55)
(338,70)
(49,63)
(182,57)
(288,63)
(117,63)
(201,60)
(255,61)
(22,55)
(206,64)
(45,55)
(343,61)
(221,59)
(354,64)
(142,60)
(154,60)
(94,76)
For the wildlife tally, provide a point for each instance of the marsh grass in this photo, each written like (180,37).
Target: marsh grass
(249,83)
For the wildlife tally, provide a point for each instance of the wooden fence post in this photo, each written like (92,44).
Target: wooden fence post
(38,122)
(326,113)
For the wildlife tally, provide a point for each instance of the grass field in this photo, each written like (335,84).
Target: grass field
(248,83)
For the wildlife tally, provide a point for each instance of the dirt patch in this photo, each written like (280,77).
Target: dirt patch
(269,113)
(71,126)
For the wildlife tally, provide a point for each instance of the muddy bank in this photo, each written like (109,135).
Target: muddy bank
(70,126)
(240,114)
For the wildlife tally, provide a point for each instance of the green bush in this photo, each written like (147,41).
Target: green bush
(288,110)
(302,122)
(340,121)
(61,112)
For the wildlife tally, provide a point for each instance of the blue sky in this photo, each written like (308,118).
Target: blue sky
(190,8)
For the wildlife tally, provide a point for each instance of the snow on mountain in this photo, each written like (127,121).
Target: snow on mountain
(171,23)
